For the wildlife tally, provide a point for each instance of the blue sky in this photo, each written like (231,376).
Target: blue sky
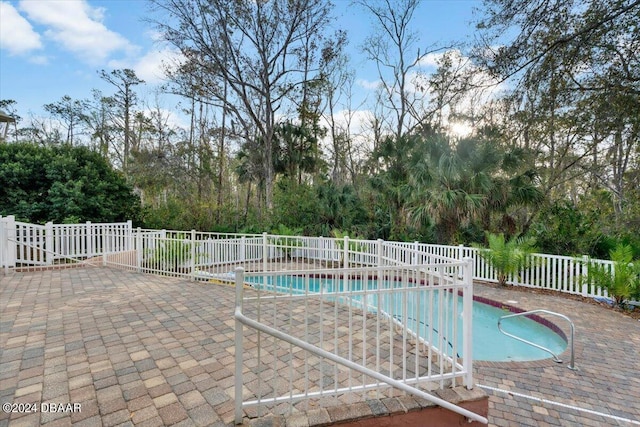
(52,48)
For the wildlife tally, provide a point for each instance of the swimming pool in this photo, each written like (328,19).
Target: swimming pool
(489,344)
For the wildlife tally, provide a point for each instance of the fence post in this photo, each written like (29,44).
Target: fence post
(265,251)
(584,270)
(49,249)
(238,337)
(193,255)
(89,240)
(12,252)
(3,246)
(243,248)
(8,245)
(467,322)
(129,233)
(345,253)
(105,244)
(139,249)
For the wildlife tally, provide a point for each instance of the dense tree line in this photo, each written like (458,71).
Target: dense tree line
(268,92)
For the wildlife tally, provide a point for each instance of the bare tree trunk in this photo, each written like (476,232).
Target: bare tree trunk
(221,158)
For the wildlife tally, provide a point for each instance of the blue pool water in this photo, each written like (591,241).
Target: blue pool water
(422,315)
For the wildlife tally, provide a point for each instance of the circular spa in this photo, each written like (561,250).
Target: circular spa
(422,315)
(491,345)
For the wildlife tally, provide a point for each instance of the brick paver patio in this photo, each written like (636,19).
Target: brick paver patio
(607,352)
(142,350)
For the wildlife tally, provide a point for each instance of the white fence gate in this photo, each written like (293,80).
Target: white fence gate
(28,245)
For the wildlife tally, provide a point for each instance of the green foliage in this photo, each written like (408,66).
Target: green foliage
(588,227)
(62,184)
(283,230)
(507,257)
(296,150)
(472,181)
(285,243)
(171,254)
(623,281)
(339,206)
(390,184)
(187,214)
(317,209)
(169,216)
(564,229)
(295,205)
(354,246)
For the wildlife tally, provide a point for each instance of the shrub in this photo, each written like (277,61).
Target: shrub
(507,257)
(285,243)
(622,282)
(170,254)
(62,184)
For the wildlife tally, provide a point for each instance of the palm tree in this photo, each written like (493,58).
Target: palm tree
(473,180)
(445,187)
(513,188)
(622,282)
(296,150)
(507,257)
(338,207)
(393,160)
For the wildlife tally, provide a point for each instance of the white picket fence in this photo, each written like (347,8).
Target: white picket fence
(32,245)
(198,254)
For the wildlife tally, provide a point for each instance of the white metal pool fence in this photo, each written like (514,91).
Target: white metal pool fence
(199,254)
(308,335)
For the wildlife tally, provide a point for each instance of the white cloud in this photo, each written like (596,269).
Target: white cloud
(77,27)
(154,35)
(39,60)
(357,123)
(431,60)
(170,118)
(434,59)
(367,84)
(16,33)
(150,67)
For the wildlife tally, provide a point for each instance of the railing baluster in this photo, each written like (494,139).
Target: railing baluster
(394,295)
(239,338)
